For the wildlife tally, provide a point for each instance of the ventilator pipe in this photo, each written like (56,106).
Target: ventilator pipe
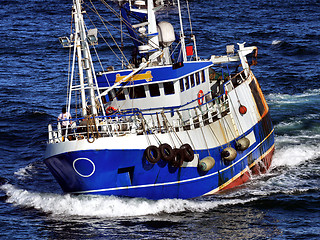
(206,164)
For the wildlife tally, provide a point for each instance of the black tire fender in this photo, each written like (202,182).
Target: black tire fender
(166,152)
(152,154)
(188,152)
(178,159)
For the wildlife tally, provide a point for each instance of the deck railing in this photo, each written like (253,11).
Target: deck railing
(140,122)
(147,121)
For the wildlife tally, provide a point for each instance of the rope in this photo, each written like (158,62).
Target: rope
(183,125)
(171,127)
(159,124)
(144,128)
(204,138)
(90,120)
(167,128)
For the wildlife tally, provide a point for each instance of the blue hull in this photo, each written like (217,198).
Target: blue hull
(127,173)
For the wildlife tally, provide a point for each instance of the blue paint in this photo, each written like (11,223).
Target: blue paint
(158,74)
(156,181)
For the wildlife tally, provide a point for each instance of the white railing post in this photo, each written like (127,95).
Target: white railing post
(59,131)
(50,133)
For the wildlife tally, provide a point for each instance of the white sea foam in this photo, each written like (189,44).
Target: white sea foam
(280,98)
(289,125)
(295,154)
(276,42)
(25,172)
(107,206)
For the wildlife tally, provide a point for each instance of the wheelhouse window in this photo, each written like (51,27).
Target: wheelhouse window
(137,92)
(186,80)
(203,79)
(168,88)
(120,94)
(192,80)
(154,90)
(197,78)
(111,95)
(104,99)
(181,84)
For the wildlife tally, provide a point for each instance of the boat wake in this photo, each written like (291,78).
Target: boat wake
(306,96)
(283,177)
(107,206)
(25,172)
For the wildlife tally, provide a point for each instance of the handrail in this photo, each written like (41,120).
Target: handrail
(120,124)
(135,111)
(116,125)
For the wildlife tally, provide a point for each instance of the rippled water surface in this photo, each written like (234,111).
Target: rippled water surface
(282,204)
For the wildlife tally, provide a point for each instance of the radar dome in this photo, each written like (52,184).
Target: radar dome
(166,34)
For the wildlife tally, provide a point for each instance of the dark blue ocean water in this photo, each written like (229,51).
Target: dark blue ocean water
(282,204)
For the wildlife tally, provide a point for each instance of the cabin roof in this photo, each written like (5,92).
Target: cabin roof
(152,74)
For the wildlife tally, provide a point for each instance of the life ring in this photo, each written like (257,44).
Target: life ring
(177,161)
(166,152)
(152,154)
(110,110)
(200,97)
(188,152)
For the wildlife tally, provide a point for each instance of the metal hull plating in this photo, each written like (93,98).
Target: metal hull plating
(168,124)
(126,172)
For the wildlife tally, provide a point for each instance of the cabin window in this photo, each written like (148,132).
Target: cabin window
(186,80)
(181,84)
(197,78)
(203,79)
(111,95)
(103,99)
(137,92)
(192,80)
(154,90)
(168,88)
(120,94)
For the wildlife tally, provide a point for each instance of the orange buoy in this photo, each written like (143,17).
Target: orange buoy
(242,109)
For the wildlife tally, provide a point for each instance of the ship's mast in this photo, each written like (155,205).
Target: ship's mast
(84,59)
(183,45)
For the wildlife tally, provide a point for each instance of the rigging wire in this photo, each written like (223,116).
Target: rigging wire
(186,130)
(127,23)
(189,17)
(121,19)
(200,126)
(102,20)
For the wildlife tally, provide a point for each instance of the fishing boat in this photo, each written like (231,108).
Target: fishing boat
(163,122)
